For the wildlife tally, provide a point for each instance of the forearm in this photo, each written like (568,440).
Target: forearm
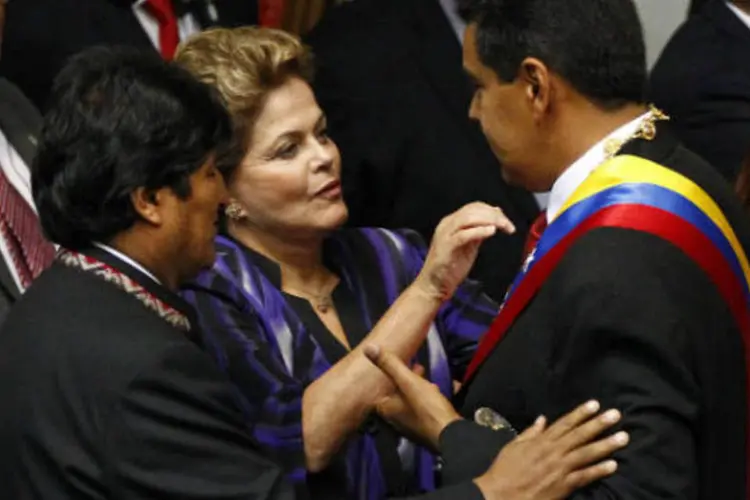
(337,403)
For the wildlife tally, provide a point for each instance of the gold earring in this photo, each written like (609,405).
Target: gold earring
(234,211)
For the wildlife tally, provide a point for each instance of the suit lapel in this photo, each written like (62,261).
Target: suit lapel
(437,51)
(726,20)
(8,285)
(19,120)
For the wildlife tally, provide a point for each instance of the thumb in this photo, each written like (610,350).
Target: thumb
(402,376)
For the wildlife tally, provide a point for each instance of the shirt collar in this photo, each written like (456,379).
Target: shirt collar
(127,260)
(574,175)
(744,16)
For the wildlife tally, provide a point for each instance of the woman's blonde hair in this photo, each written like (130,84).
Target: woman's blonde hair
(244,65)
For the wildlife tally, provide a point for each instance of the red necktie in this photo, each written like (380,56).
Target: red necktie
(169,35)
(20,229)
(535,232)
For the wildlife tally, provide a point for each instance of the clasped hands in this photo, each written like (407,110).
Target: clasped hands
(545,462)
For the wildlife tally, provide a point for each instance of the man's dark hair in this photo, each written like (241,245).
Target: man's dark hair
(120,119)
(595,45)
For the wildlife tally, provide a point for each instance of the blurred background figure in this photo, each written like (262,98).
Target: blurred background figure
(24,252)
(702,80)
(389,78)
(42,34)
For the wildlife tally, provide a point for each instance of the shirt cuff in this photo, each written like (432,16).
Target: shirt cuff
(468,449)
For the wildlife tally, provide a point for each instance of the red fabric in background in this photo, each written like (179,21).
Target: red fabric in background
(271,12)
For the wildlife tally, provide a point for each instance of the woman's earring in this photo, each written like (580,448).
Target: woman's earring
(234,211)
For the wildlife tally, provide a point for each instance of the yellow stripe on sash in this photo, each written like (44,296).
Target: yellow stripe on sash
(628,169)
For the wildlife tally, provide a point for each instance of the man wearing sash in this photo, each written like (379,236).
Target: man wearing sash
(637,288)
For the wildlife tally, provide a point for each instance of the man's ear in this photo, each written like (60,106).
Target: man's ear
(149,204)
(535,76)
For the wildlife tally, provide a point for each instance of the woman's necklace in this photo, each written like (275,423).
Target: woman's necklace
(321,301)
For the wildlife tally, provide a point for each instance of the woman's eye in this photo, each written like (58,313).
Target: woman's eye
(322,135)
(288,151)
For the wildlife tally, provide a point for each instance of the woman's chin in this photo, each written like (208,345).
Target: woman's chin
(335,217)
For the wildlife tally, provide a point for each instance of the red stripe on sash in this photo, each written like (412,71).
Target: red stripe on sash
(647,219)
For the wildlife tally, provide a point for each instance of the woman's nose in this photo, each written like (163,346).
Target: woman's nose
(323,158)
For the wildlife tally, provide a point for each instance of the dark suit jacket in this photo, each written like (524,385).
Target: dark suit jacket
(702,80)
(629,319)
(41,34)
(20,122)
(103,399)
(389,76)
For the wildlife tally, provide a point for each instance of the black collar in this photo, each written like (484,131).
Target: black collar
(271,269)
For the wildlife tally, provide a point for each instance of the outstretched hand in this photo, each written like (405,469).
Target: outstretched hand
(416,408)
(455,246)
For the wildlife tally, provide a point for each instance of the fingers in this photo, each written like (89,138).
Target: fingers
(476,215)
(598,450)
(580,478)
(408,383)
(474,235)
(586,432)
(536,429)
(568,422)
(418,370)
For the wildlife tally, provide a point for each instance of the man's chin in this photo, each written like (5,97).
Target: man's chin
(511,177)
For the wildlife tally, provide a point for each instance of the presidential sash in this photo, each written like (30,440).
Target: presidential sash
(634,193)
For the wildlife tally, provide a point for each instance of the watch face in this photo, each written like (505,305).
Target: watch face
(487,417)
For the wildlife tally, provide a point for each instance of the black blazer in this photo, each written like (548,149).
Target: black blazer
(627,318)
(389,77)
(103,399)
(702,80)
(20,123)
(40,35)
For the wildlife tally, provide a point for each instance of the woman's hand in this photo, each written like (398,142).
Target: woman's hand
(455,245)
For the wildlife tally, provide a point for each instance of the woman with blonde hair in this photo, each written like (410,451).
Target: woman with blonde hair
(292,297)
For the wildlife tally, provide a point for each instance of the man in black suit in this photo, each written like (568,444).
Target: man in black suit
(389,78)
(42,34)
(19,126)
(623,297)
(702,80)
(107,392)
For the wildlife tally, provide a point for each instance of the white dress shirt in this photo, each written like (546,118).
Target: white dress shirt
(186,25)
(574,175)
(121,256)
(17,173)
(744,16)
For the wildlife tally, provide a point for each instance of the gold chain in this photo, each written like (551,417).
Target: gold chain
(646,131)
(323,302)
